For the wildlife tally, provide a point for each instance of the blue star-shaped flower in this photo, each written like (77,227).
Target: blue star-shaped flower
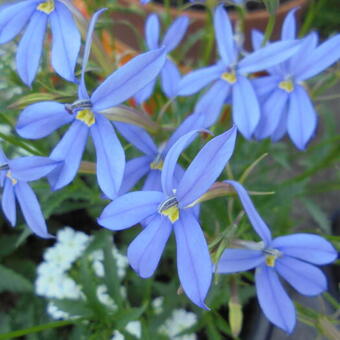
(37,14)
(292,256)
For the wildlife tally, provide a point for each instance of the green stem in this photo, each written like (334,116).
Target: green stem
(37,329)
(269,29)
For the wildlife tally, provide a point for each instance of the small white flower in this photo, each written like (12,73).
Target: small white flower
(157,304)
(56,313)
(134,328)
(117,336)
(105,298)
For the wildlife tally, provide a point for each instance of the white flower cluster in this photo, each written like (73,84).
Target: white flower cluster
(179,321)
(53,280)
(133,327)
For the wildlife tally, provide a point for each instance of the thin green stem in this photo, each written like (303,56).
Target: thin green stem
(269,29)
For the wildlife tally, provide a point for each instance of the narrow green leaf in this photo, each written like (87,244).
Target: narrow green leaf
(13,282)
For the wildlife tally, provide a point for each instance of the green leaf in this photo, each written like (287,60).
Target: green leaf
(13,282)
(125,316)
(7,244)
(73,307)
(318,215)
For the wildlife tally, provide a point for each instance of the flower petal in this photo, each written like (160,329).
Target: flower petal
(153,181)
(289,26)
(70,150)
(13,18)
(272,109)
(175,33)
(127,80)
(305,278)
(274,301)
(197,179)
(31,168)
(30,47)
(146,249)
(135,169)
(211,102)
(268,56)
(196,80)
(40,119)
(152,29)
(246,113)
(256,39)
(31,209)
(224,36)
(170,78)
(144,94)
(193,259)
(8,202)
(302,119)
(171,160)
(110,156)
(320,58)
(307,247)
(238,260)
(129,209)
(138,137)
(66,41)
(255,219)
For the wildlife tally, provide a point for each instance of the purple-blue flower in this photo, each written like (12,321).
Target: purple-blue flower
(37,14)
(286,103)
(85,115)
(229,76)
(169,210)
(170,76)
(293,257)
(14,175)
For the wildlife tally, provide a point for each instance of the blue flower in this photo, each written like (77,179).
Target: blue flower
(170,75)
(37,14)
(286,103)
(151,164)
(293,257)
(229,76)
(169,210)
(14,175)
(85,115)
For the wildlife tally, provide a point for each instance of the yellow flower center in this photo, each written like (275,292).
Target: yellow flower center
(271,256)
(170,209)
(47,6)
(9,175)
(157,164)
(286,85)
(270,260)
(229,77)
(86,116)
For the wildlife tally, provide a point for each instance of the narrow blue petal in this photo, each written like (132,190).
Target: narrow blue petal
(178,175)
(31,210)
(30,47)
(268,56)
(302,119)
(82,91)
(281,129)
(146,249)
(246,113)
(70,150)
(8,202)
(175,33)
(304,277)
(13,18)
(211,102)
(289,26)
(256,39)
(66,41)
(319,59)
(274,301)
(255,219)
(271,113)
(170,78)
(129,79)
(110,156)
(193,259)
(152,29)
(130,209)
(135,169)
(171,161)
(31,168)
(239,260)
(153,181)
(196,80)
(224,36)
(138,137)
(3,158)
(198,178)
(41,119)
(307,247)
(263,86)
(144,94)
(194,121)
